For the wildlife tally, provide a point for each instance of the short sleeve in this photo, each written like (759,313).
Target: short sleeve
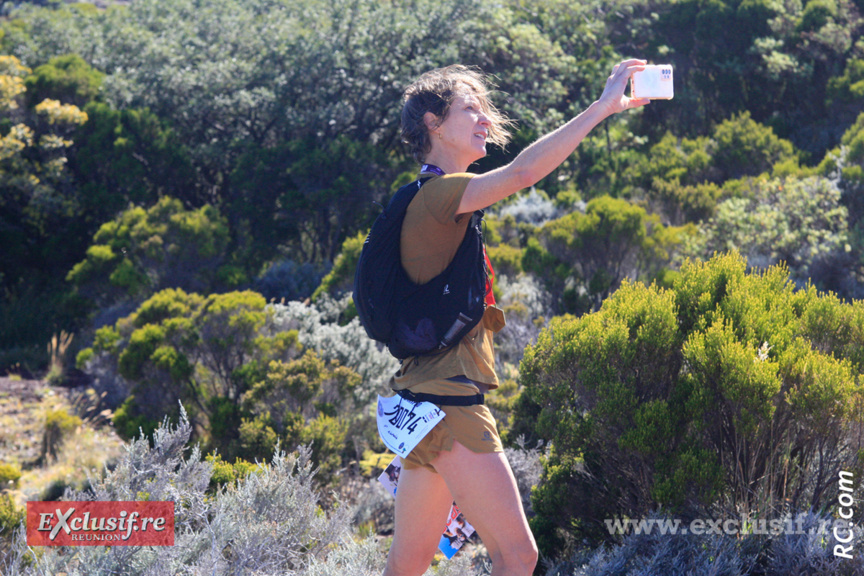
(443,195)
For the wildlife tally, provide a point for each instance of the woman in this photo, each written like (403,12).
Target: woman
(447,120)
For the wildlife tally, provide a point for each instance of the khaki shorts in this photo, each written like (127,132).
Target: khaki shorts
(473,426)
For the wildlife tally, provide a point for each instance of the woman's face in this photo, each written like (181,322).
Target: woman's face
(465,129)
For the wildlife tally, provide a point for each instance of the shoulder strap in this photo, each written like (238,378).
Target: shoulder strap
(403,197)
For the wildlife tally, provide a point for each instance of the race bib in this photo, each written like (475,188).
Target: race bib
(403,423)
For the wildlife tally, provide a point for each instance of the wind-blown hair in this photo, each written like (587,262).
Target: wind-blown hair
(434,92)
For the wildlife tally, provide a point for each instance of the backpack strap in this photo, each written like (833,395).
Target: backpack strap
(403,197)
(442,400)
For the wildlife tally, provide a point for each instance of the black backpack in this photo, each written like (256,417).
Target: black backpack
(417,319)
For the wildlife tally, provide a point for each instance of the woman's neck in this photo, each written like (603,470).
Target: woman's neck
(448,165)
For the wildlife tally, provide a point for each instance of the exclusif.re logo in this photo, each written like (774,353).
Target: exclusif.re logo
(100,523)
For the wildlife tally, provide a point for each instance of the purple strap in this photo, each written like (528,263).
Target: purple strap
(433,169)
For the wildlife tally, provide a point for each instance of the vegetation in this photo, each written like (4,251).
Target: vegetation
(185,188)
(729,392)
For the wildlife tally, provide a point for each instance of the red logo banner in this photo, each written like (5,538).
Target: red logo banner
(100,523)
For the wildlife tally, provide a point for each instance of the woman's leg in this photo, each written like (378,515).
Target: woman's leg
(422,505)
(485,490)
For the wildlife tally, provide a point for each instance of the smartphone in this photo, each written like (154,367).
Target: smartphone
(655,82)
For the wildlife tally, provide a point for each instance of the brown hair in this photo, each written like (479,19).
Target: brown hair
(434,92)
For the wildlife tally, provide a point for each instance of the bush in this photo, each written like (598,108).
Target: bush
(59,424)
(584,257)
(531,207)
(287,280)
(249,382)
(317,328)
(746,148)
(648,554)
(268,521)
(66,78)
(11,517)
(341,278)
(526,304)
(144,251)
(799,222)
(304,401)
(715,393)
(9,476)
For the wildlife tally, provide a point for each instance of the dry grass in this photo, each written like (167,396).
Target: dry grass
(23,407)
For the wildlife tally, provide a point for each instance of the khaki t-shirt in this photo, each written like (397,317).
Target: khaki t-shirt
(431,235)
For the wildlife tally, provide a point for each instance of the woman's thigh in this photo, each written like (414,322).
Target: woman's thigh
(485,490)
(422,506)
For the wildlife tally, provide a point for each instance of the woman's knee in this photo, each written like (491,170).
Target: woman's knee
(518,558)
(407,564)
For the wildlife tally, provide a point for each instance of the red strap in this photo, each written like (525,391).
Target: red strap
(490,279)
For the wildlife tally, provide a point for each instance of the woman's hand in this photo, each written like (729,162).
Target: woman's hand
(613,99)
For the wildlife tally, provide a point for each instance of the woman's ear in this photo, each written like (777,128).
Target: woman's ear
(431,121)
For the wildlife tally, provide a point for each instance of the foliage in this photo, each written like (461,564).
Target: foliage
(225,473)
(526,304)
(37,205)
(283,115)
(849,86)
(681,176)
(305,196)
(269,522)
(241,84)
(248,382)
(180,346)
(730,390)
(532,207)
(799,222)
(746,148)
(585,256)
(66,78)
(340,279)
(773,59)
(129,157)
(318,329)
(678,554)
(144,251)
(32,160)
(9,476)
(299,402)
(845,164)
(59,424)
(287,280)
(11,517)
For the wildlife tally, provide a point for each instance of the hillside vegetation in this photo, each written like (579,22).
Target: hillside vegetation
(185,187)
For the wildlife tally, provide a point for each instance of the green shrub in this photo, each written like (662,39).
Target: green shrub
(801,222)
(341,277)
(66,78)
(584,257)
(59,424)
(300,402)
(249,384)
(225,473)
(724,392)
(11,516)
(9,476)
(143,251)
(817,13)
(506,259)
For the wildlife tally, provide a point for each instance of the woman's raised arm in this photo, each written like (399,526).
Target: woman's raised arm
(543,156)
